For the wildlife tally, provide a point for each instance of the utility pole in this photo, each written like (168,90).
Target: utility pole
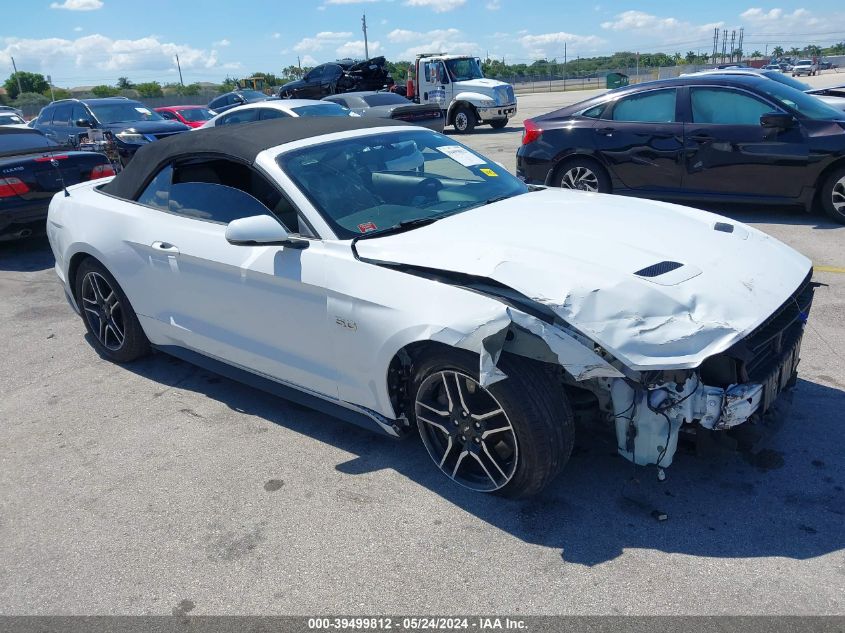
(564,66)
(20,90)
(52,94)
(180,70)
(715,44)
(364,28)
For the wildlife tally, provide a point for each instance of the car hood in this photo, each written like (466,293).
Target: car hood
(146,127)
(578,254)
(482,85)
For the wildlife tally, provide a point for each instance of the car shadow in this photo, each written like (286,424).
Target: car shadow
(27,255)
(484,130)
(787,501)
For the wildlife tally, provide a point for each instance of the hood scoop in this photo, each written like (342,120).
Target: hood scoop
(668,273)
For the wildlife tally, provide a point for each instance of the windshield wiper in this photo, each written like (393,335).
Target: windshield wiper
(401,227)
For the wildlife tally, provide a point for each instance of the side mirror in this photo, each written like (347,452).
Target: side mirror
(261,230)
(83,123)
(777,120)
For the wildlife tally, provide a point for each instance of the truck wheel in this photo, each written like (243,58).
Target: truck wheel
(512,437)
(498,124)
(464,120)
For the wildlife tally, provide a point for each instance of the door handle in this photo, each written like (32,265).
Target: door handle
(607,131)
(165,247)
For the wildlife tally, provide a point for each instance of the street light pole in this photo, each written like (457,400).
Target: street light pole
(14,66)
(364,28)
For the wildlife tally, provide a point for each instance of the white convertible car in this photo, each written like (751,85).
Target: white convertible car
(393,277)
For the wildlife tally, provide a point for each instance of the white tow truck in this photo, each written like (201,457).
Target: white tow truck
(457,85)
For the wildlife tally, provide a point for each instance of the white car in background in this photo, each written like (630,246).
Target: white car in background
(805,67)
(11,119)
(277,109)
(395,278)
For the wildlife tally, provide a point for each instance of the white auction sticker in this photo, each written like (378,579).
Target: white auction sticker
(143,110)
(461,155)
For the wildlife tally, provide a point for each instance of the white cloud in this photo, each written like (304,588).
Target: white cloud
(102,56)
(77,28)
(439,6)
(321,40)
(438,40)
(78,5)
(798,21)
(641,21)
(493,5)
(307,60)
(222,43)
(276,36)
(350,1)
(356,49)
(546,45)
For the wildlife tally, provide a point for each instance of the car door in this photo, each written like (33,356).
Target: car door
(328,80)
(729,152)
(641,139)
(262,308)
(60,128)
(247,115)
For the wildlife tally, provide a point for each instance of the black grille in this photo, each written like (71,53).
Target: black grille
(660,268)
(761,351)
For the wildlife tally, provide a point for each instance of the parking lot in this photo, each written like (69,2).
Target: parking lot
(159,488)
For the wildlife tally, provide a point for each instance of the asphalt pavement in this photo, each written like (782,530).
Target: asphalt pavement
(158,488)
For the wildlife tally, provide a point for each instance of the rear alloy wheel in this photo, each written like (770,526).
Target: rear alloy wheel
(833,195)
(583,175)
(511,437)
(464,120)
(109,318)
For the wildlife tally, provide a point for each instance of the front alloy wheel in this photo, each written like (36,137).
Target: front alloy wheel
(832,195)
(103,311)
(466,431)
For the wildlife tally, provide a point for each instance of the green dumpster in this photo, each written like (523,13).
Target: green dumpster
(616,80)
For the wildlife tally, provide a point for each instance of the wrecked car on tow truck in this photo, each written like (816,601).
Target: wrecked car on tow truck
(397,279)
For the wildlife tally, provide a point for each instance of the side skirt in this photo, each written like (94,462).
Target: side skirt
(359,416)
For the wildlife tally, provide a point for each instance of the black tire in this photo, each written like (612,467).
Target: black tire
(534,406)
(498,124)
(464,120)
(100,321)
(567,174)
(284,94)
(833,193)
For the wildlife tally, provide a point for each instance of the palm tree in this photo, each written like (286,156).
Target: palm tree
(691,57)
(777,52)
(756,54)
(677,58)
(795,51)
(813,50)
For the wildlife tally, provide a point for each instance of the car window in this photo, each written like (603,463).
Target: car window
(272,113)
(213,202)
(655,106)
(25,141)
(315,73)
(594,112)
(62,115)
(169,191)
(216,103)
(338,100)
(46,116)
(323,109)
(241,116)
(79,113)
(332,71)
(726,107)
(167,115)
(384,98)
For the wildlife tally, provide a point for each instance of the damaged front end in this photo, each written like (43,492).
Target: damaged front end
(649,410)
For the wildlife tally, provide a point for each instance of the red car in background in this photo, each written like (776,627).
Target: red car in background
(191,115)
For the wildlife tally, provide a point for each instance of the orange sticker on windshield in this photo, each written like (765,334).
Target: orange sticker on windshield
(366,227)
(488,172)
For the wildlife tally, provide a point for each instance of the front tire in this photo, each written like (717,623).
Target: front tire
(498,124)
(108,316)
(464,120)
(583,174)
(833,195)
(512,437)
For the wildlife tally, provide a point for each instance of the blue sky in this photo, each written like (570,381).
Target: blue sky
(83,42)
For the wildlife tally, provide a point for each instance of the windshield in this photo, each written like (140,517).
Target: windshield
(464,69)
(123,112)
(8,119)
(808,105)
(24,141)
(385,98)
(252,95)
(370,184)
(787,80)
(196,114)
(324,109)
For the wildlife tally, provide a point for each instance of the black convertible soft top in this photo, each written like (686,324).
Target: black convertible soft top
(241,142)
